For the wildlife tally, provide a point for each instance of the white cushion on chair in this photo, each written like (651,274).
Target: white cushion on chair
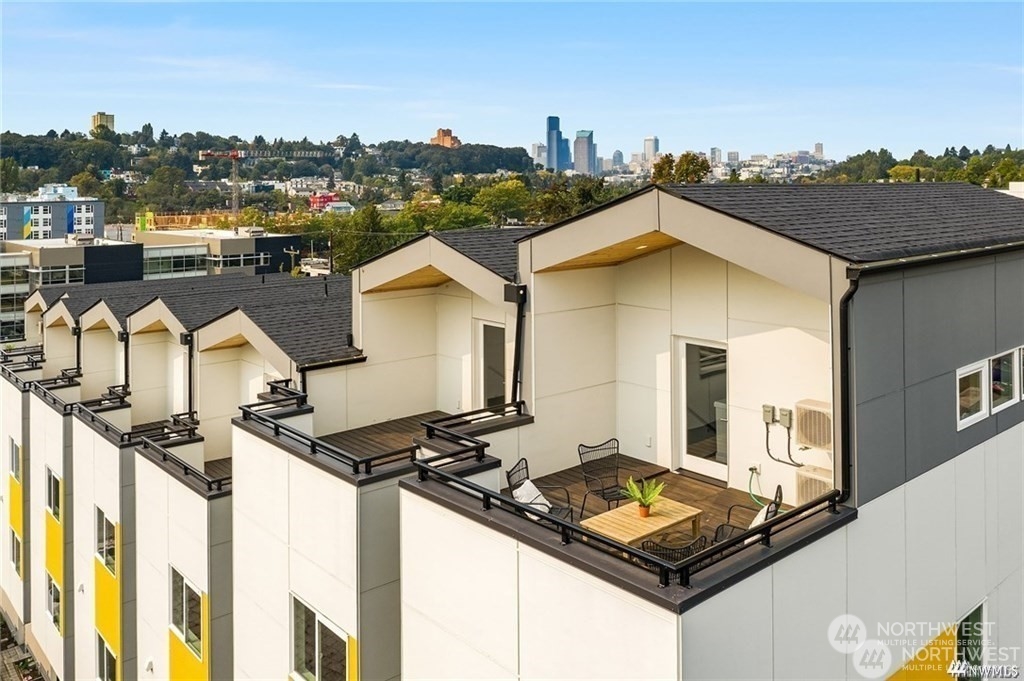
(527,493)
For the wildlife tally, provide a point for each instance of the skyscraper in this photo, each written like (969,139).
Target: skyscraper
(617,158)
(734,157)
(819,150)
(650,148)
(564,155)
(102,118)
(554,138)
(540,153)
(583,151)
(716,156)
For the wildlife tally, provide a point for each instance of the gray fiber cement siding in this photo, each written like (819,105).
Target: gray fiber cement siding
(910,332)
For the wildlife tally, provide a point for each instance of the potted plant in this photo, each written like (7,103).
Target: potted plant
(644,494)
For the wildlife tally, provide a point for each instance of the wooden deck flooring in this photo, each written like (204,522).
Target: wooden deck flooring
(218,469)
(383,437)
(714,501)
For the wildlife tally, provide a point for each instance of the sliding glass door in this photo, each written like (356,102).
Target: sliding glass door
(700,406)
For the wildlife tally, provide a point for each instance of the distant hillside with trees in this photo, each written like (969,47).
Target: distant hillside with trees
(991,167)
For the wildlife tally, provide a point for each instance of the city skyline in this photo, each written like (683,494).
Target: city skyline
(216,70)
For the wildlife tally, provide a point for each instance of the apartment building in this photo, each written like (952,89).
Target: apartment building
(117,408)
(881,319)
(53,211)
(854,350)
(250,250)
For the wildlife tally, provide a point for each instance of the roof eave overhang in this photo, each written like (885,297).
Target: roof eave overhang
(427,263)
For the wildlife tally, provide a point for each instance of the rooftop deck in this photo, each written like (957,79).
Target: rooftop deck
(384,437)
(713,500)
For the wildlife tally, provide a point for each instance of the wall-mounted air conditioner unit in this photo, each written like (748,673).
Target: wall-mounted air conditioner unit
(811,483)
(814,424)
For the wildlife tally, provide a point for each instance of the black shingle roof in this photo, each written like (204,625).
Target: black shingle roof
(870,222)
(492,247)
(310,319)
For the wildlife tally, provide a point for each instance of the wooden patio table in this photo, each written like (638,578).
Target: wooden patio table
(624,524)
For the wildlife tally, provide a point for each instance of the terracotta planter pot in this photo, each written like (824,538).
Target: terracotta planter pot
(645,511)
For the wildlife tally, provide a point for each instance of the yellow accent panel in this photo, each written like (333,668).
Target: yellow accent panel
(108,598)
(17,519)
(55,550)
(353,659)
(931,662)
(184,665)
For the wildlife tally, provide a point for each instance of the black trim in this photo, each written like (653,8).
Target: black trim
(517,293)
(188,339)
(846,391)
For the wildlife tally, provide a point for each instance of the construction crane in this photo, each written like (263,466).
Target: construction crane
(234,155)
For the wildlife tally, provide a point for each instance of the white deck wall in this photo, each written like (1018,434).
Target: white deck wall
(478,604)
(226,379)
(61,350)
(603,358)
(102,362)
(159,376)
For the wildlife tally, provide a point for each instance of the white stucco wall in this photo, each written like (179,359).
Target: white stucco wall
(543,618)
(102,362)
(12,416)
(172,529)
(295,532)
(47,444)
(158,376)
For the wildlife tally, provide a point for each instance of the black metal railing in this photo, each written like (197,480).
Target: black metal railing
(447,427)
(683,571)
(8,356)
(44,388)
(187,469)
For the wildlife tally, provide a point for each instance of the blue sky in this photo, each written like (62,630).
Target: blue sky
(756,78)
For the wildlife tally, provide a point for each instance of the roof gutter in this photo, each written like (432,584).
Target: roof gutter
(918,260)
(327,364)
(845,388)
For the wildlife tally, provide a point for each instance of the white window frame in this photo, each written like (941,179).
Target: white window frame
(186,587)
(982,367)
(319,620)
(107,554)
(15,459)
(51,587)
(103,670)
(16,553)
(47,222)
(88,208)
(1014,374)
(35,210)
(53,500)
(46,210)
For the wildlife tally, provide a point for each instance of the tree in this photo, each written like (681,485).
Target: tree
(663,170)
(9,173)
(691,168)
(903,173)
(504,201)
(165,190)
(734,177)
(348,169)
(88,184)
(102,132)
(437,181)
(964,154)
(146,136)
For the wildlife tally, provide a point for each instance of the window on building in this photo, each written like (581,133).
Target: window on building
(105,544)
(89,208)
(16,552)
(972,394)
(78,221)
(53,601)
(1004,383)
(187,612)
(319,649)
(47,222)
(35,210)
(15,459)
(88,220)
(46,210)
(970,640)
(45,234)
(106,662)
(36,222)
(53,493)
